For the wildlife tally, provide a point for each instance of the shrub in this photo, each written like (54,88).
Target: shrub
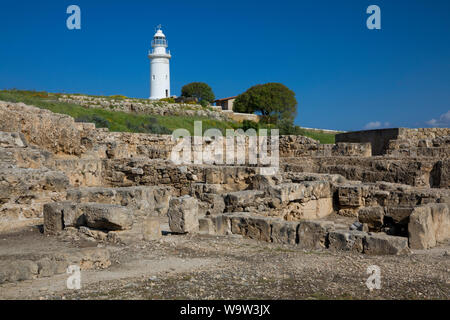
(248,124)
(204,103)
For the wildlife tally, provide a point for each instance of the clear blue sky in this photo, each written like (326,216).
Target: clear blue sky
(344,75)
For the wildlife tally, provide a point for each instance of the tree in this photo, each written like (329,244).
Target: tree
(199,90)
(274,101)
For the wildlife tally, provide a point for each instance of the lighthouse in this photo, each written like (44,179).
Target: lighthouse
(159,66)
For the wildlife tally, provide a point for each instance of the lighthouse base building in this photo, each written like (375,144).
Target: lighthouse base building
(159,67)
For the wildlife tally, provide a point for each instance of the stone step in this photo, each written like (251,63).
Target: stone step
(147,200)
(306,234)
(101,221)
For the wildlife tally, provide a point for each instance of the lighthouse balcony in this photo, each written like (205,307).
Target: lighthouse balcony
(152,54)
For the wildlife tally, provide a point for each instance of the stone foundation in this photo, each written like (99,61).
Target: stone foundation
(118,187)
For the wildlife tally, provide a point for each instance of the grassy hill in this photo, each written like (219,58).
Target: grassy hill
(130,122)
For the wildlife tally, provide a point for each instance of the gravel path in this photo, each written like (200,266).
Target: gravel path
(210,267)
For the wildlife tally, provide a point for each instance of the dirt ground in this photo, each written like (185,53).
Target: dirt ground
(229,267)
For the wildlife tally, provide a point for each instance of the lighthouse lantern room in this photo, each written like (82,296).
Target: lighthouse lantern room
(159,66)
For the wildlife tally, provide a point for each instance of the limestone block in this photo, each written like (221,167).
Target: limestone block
(222,224)
(147,200)
(72,216)
(144,229)
(428,225)
(316,209)
(380,244)
(238,223)
(265,182)
(53,218)
(373,216)
(287,192)
(183,214)
(399,215)
(242,199)
(253,227)
(350,195)
(162,196)
(284,232)
(314,234)
(151,228)
(259,229)
(346,240)
(206,225)
(107,216)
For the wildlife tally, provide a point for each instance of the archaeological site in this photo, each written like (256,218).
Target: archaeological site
(140,226)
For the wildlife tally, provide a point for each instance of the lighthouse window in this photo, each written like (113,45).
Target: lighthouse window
(154,77)
(166,76)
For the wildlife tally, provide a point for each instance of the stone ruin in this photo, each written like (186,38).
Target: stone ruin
(81,181)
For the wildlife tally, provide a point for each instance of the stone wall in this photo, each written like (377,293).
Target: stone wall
(379,139)
(384,141)
(415,144)
(300,146)
(420,172)
(23,193)
(54,132)
(423,133)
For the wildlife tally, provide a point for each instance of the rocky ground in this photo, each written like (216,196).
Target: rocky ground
(230,267)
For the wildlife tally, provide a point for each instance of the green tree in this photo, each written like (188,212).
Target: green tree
(274,101)
(199,90)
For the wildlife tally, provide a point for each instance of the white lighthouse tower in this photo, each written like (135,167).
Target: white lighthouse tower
(159,66)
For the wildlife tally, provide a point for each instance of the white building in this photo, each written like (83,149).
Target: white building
(159,66)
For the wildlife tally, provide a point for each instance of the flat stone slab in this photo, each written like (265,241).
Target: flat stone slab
(107,216)
(380,244)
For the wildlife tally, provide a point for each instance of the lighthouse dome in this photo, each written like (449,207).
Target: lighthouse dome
(159,33)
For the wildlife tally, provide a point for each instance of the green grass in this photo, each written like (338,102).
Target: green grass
(130,122)
(322,136)
(115,120)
